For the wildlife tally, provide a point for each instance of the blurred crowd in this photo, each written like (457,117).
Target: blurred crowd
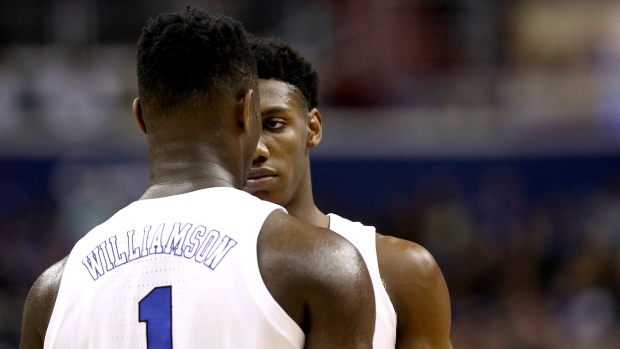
(523,272)
(480,69)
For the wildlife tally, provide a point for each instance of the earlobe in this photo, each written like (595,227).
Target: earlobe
(137,113)
(315,128)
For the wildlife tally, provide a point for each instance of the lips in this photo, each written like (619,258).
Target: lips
(260,179)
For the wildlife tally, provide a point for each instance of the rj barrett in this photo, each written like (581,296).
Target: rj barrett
(182,240)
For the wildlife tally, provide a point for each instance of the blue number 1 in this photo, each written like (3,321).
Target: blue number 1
(156,310)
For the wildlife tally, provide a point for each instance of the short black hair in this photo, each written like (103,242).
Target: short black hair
(181,55)
(280,61)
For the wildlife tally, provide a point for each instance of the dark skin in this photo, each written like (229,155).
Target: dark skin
(311,279)
(281,174)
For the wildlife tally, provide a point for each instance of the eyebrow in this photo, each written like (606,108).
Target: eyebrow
(275,110)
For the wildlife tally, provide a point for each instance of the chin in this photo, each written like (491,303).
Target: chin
(259,194)
(268,196)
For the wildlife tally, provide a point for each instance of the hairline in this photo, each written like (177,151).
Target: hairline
(305,105)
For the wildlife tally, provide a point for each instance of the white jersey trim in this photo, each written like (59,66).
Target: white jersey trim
(364,239)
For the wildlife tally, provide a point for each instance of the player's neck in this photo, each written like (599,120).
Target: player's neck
(178,168)
(309,214)
(304,208)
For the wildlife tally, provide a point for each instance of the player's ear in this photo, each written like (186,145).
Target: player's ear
(315,128)
(137,113)
(245,110)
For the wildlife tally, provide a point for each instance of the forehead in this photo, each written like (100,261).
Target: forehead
(277,93)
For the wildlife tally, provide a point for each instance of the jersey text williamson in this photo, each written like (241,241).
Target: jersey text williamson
(203,246)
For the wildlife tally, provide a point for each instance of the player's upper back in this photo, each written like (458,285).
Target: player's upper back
(180,269)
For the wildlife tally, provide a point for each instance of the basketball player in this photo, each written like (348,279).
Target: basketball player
(413,309)
(197,262)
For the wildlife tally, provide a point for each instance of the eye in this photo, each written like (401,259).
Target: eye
(274,124)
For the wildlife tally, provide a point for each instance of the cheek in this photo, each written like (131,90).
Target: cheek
(298,159)
(290,156)
(288,145)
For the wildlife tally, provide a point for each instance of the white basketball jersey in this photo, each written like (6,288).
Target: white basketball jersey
(177,271)
(364,238)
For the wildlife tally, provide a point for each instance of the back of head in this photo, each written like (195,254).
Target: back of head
(279,61)
(190,58)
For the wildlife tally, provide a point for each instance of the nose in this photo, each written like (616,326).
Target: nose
(262,152)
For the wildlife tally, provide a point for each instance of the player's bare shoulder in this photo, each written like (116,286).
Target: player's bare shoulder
(311,247)
(407,269)
(306,254)
(405,258)
(39,305)
(418,292)
(310,268)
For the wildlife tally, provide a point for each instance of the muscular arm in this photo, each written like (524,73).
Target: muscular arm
(39,306)
(320,280)
(418,292)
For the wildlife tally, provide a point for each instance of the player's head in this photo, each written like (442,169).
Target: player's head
(195,70)
(288,86)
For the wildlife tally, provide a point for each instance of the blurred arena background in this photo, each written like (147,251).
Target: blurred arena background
(487,131)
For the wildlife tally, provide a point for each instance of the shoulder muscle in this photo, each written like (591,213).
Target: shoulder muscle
(39,305)
(418,291)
